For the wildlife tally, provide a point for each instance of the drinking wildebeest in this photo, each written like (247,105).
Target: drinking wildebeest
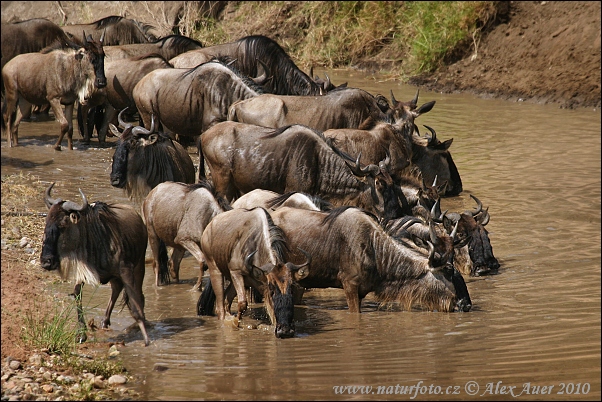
(97,243)
(176,215)
(247,53)
(144,158)
(350,250)
(57,75)
(339,108)
(243,157)
(246,247)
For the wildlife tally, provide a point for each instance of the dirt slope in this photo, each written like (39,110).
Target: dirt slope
(542,51)
(546,52)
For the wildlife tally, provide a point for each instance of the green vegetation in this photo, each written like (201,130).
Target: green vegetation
(407,37)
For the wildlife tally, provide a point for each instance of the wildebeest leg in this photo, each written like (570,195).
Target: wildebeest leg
(230,293)
(57,109)
(217,282)
(174,263)
(352,296)
(135,298)
(83,112)
(159,251)
(116,288)
(81,333)
(239,284)
(194,249)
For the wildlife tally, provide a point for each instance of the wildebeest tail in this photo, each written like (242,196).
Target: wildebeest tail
(163,270)
(206,303)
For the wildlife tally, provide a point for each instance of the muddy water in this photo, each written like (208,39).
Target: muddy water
(535,324)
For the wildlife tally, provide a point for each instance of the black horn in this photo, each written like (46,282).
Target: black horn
(414,101)
(123,124)
(479,206)
(433,139)
(393,99)
(48,200)
(307,260)
(71,206)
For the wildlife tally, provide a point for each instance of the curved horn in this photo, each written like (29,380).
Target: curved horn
(102,37)
(48,200)
(71,206)
(307,260)
(231,62)
(122,123)
(433,139)
(85,42)
(432,233)
(435,182)
(263,77)
(454,232)
(311,73)
(414,101)
(248,263)
(393,99)
(405,225)
(356,169)
(479,206)
(431,253)
(484,219)
(141,130)
(436,213)
(327,82)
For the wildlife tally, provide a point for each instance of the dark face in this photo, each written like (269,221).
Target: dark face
(119,167)
(280,297)
(56,223)
(96,54)
(481,252)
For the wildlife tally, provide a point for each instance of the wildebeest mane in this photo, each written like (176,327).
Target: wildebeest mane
(106,21)
(334,213)
(329,141)
(202,183)
(59,44)
(223,60)
(277,239)
(287,78)
(317,201)
(178,43)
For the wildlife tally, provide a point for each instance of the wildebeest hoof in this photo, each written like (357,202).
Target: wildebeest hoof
(57,148)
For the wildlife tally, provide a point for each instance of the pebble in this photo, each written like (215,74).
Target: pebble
(117,379)
(15,364)
(24,242)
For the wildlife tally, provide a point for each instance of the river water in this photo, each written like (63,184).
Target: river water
(534,327)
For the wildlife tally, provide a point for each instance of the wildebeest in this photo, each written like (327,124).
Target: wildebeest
(122,75)
(246,247)
(189,101)
(176,215)
(339,108)
(119,30)
(29,36)
(56,75)
(434,159)
(97,243)
(144,158)
(270,200)
(247,52)
(243,157)
(350,250)
(476,257)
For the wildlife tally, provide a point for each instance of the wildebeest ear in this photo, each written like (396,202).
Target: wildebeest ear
(79,55)
(150,140)
(74,217)
(114,130)
(301,273)
(424,108)
(444,145)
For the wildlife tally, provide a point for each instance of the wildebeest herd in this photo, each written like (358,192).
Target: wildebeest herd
(301,184)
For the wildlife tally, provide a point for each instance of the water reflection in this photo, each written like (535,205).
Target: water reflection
(536,167)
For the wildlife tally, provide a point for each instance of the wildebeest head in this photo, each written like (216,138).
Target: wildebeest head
(434,159)
(404,111)
(94,52)
(472,233)
(144,158)
(278,293)
(62,216)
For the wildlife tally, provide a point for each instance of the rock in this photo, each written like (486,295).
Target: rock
(117,380)
(15,364)
(24,242)
(48,388)
(99,382)
(160,367)
(113,352)
(36,360)
(47,376)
